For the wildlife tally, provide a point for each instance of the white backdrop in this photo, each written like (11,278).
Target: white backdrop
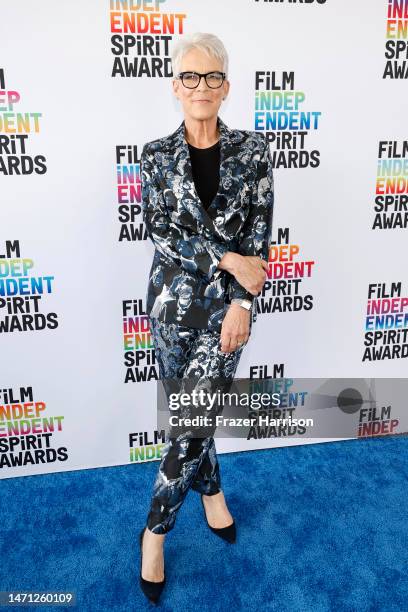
(59,59)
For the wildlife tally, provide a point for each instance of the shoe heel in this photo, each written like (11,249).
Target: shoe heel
(152,590)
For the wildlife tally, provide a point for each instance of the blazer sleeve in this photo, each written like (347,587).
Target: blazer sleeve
(261,210)
(182,245)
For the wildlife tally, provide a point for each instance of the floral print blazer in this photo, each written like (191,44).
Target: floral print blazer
(185,286)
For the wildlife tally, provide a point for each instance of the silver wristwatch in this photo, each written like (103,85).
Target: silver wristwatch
(244,303)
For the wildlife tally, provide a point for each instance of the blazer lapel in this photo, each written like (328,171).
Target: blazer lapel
(179,159)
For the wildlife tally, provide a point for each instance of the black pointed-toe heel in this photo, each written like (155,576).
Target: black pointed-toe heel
(152,590)
(229,533)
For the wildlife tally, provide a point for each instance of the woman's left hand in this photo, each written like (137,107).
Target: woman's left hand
(235,328)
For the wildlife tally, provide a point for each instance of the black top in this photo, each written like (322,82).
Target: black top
(206,171)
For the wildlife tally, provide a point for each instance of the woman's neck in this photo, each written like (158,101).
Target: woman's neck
(201,133)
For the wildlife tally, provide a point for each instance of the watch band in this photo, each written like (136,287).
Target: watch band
(244,303)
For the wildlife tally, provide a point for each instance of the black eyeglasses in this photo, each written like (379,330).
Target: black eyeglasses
(191,80)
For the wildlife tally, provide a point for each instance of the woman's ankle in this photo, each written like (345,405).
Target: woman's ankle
(155,537)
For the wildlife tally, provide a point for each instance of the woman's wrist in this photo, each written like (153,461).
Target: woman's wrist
(230,261)
(233,306)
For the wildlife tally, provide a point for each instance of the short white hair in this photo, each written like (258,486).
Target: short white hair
(209,43)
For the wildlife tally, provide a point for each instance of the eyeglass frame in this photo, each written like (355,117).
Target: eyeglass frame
(202,74)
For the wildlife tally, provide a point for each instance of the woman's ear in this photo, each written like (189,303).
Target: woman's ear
(175,87)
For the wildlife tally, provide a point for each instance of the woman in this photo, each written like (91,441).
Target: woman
(207,196)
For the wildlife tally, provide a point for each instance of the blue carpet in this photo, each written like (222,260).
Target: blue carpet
(321,528)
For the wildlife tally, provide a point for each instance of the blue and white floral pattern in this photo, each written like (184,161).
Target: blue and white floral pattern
(185,286)
(187,461)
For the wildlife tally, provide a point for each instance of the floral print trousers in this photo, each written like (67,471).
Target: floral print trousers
(186,462)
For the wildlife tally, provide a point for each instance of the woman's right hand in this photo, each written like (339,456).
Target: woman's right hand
(249,270)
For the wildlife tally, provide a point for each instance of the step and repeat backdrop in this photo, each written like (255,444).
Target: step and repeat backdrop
(83,85)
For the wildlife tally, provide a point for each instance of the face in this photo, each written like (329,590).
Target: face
(201,102)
